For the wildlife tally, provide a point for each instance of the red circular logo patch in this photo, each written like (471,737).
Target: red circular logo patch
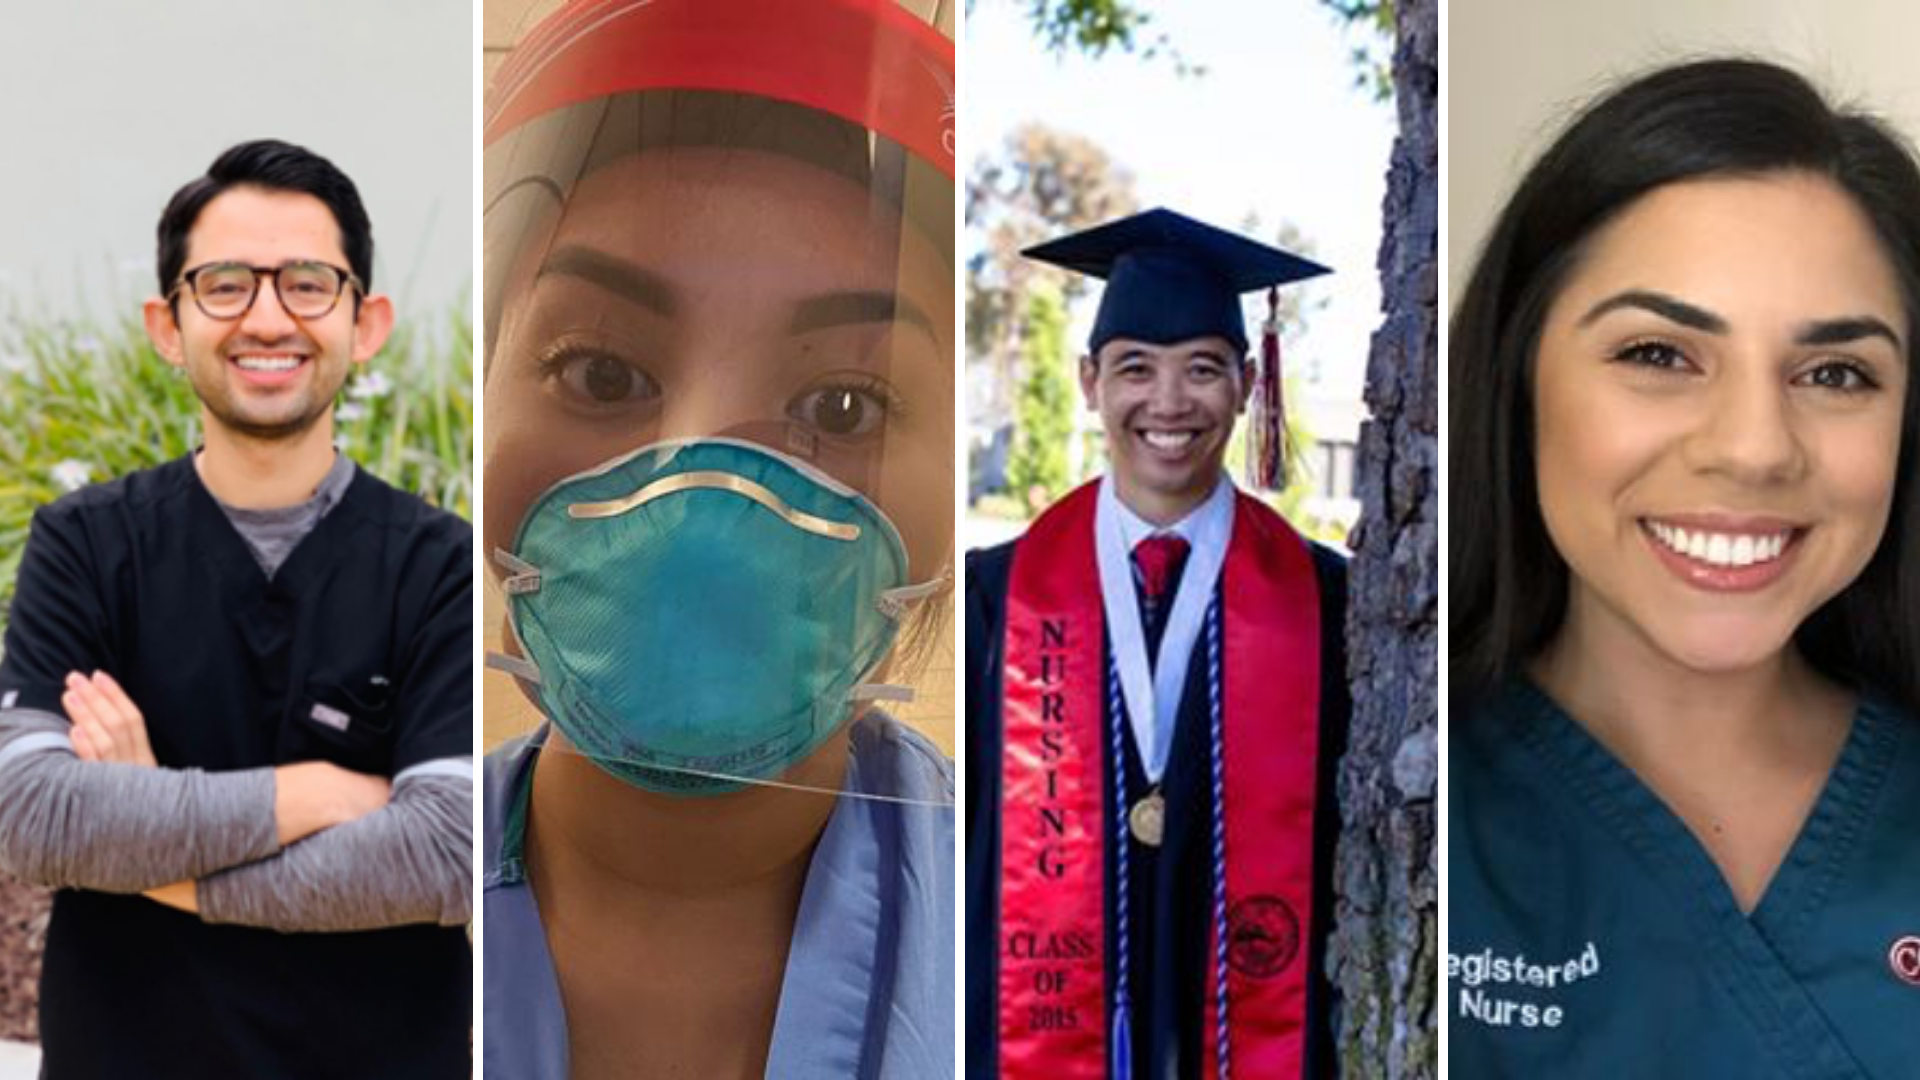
(1263,936)
(1905,959)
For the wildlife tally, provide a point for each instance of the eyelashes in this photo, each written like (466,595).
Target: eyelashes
(1651,353)
(1840,376)
(592,378)
(1837,374)
(850,406)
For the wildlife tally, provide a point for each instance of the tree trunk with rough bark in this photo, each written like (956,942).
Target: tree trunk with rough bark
(1386,940)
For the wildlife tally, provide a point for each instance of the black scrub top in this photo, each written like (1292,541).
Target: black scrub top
(1590,934)
(358,652)
(1170,887)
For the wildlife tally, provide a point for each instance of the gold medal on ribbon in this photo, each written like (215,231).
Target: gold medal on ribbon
(1148,819)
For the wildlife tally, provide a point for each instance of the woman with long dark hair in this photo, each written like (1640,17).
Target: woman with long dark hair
(1685,595)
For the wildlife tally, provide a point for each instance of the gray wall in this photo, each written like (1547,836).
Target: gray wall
(102,125)
(1516,71)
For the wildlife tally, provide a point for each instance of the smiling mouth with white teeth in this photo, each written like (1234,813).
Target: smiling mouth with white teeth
(1722,549)
(267,363)
(1169,440)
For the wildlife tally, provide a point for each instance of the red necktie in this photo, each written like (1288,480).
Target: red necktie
(1158,560)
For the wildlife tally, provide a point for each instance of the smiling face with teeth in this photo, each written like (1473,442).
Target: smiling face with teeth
(1719,391)
(1168,411)
(267,375)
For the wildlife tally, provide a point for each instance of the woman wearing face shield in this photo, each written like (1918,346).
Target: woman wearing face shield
(1684,609)
(718,498)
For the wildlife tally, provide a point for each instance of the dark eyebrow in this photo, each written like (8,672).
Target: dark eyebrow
(1667,307)
(1839,331)
(852,308)
(1845,330)
(1224,359)
(629,280)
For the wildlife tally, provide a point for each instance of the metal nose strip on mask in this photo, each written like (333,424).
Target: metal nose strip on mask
(717,481)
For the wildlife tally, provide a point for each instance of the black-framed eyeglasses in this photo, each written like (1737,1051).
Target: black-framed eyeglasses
(227,290)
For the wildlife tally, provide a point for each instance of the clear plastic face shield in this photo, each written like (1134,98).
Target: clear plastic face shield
(718,319)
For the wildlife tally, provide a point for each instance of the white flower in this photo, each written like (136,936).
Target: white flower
(369,386)
(350,412)
(88,344)
(15,363)
(72,474)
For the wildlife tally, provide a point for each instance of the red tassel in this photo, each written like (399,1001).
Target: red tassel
(1268,459)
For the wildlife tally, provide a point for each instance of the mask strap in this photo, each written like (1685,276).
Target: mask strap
(518,667)
(782,785)
(523,576)
(893,602)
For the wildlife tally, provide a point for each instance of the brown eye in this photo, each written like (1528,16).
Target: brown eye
(1839,376)
(1652,354)
(844,411)
(603,380)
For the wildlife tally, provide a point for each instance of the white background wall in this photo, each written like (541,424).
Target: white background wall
(1517,70)
(107,110)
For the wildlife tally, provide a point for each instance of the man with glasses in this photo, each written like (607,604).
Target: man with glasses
(235,699)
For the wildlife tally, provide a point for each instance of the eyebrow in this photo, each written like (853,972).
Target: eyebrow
(1843,331)
(1837,331)
(1210,355)
(627,279)
(1670,308)
(650,290)
(854,308)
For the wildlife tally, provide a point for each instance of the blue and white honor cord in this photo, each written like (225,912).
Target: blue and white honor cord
(1215,745)
(1121,1033)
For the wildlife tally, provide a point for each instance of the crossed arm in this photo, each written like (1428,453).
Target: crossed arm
(302,847)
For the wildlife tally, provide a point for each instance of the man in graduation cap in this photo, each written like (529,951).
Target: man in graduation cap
(1156,701)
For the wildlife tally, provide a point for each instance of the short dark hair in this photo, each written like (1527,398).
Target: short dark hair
(1507,585)
(273,166)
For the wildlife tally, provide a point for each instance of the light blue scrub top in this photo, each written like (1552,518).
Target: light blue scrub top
(868,990)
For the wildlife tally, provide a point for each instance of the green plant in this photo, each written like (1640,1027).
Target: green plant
(1290,503)
(81,403)
(1037,467)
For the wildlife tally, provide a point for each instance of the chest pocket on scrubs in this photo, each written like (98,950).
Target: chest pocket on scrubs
(346,721)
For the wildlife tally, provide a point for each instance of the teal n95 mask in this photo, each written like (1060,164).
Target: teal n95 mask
(702,614)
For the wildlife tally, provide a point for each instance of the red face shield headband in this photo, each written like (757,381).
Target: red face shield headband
(868,62)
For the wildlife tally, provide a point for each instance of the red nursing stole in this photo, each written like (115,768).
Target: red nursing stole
(1055,822)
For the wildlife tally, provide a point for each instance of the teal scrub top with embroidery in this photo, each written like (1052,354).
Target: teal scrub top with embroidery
(1590,934)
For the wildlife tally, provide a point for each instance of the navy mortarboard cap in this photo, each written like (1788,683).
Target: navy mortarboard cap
(1171,278)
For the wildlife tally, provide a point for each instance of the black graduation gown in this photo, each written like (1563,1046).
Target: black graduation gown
(1171,893)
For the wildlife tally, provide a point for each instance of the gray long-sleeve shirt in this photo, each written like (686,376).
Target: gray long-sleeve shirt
(69,823)
(125,828)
